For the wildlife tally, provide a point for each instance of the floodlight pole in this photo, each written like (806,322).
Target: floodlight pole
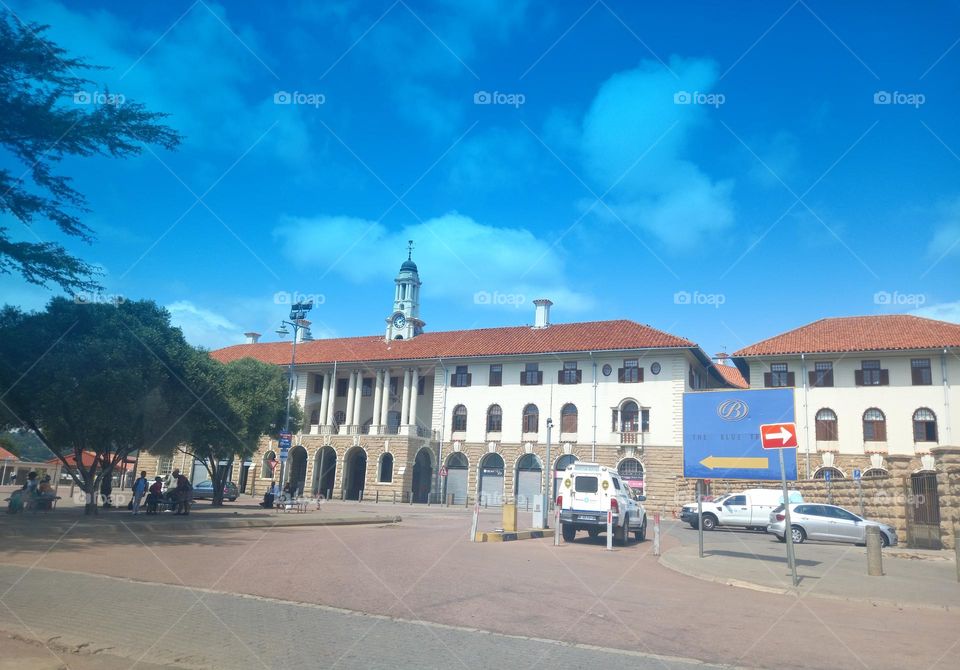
(297,313)
(548,480)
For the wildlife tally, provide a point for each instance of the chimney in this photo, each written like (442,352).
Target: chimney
(252,337)
(541,317)
(303,333)
(722,357)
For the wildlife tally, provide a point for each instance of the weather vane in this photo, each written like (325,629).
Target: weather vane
(409,249)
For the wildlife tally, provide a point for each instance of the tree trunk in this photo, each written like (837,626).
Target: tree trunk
(216,479)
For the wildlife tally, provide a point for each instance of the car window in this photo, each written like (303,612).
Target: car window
(585,484)
(736,500)
(845,515)
(799,509)
(832,512)
(616,483)
(779,508)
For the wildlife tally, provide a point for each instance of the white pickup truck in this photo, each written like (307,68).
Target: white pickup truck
(748,509)
(588,491)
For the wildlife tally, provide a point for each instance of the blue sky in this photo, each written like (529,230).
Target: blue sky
(721,174)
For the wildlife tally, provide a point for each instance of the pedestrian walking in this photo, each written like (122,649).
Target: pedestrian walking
(139,490)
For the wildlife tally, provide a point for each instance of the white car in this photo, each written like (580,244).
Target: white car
(816,521)
(748,509)
(589,492)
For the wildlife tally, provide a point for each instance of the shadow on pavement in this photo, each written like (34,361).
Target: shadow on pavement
(758,557)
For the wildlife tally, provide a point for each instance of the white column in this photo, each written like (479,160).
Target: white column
(377,400)
(385,410)
(325,399)
(357,398)
(351,391)
(414,383)
(405,401)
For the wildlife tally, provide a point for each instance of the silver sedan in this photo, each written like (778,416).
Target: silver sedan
(815,521)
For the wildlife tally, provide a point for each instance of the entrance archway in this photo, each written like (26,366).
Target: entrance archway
(456,484)
(562,463)
(324,470)
(528,481)
(491,480)
(354,473)
(297,464)
(631,472)
(422,476)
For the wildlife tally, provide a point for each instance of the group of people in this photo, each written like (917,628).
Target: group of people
(270,497)
(176,495)
(37,494)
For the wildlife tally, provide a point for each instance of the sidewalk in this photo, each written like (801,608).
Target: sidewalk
(827,571)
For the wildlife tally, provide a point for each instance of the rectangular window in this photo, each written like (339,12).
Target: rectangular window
(531,375)
(631,372)
(421,385)
(822,374)
(164,465)
(461,377)
(569,374)
(585,484)
(496,375)
(645,421)
(778,376)
(342,385)
(394,386)
(366,387)
(871,374)
(318,383)
(920,372)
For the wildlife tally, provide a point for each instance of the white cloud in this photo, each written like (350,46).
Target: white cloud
(946,236)
(459,257)
(944,311)
(203,327)
(634,114)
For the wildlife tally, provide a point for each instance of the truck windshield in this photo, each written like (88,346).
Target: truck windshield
(585,485)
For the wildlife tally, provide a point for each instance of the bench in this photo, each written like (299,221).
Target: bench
(291,505)
(37,503)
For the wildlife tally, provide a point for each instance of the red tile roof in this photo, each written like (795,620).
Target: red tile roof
(889,332)
(562,337)
(7,456)
(732,376)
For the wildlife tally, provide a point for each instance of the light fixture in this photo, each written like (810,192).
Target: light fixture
(282,331)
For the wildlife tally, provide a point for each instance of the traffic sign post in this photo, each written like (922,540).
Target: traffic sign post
(782,436)
(443,470)
(857,475)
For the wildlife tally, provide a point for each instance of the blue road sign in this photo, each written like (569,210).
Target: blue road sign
(856,474)
(721,434)
(285,440)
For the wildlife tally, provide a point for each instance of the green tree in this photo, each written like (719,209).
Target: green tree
(40,124)
(97,378)
(247,400)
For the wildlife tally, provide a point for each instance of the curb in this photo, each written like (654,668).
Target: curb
(500,536)
(205,524)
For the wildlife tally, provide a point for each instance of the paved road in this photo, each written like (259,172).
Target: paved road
(195,628)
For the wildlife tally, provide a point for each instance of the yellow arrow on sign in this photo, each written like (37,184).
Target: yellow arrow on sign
(735,462)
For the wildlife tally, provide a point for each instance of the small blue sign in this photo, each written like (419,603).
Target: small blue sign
(721,434)
(856,474)
(827,476)
(286,440)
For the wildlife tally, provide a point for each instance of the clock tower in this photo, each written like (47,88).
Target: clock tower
(404,322)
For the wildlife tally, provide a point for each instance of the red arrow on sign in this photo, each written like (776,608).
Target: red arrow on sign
(778,435)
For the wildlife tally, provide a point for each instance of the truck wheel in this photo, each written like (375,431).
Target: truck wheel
(569,532)
(641,534)
(622,535)
(709,522)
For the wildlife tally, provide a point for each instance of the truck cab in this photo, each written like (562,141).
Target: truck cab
(747,509)
(588,492)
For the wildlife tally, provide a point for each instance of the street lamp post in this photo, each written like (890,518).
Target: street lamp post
(548,483)
(298,311)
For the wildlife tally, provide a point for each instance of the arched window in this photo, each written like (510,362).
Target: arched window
(631,471)
(531,419)
(268,465)
(924,425)
(457,461)
(494,419)
(386,469)
(827,425)
(834,473)
(629,417)
(874,473)
(528,462)
(568,418)
(564,461)
(314,417)
(459,418)
(874,426)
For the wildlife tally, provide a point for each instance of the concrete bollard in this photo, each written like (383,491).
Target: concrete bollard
(556,527)
(609,530)
(394,497)
(377,499)
(656,534)
(956,548)
(874,555)
(509,517)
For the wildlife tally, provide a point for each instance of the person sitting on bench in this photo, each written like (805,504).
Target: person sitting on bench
(268,497)
(155,492)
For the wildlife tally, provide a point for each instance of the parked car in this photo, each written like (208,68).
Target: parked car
(588,492)
(204,490)
(748,509)
(827,522)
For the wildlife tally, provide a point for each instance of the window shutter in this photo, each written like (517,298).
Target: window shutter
(539,377)
(639,374)
(858,377)
(613,428)
(791,380)
(918,432)
(559,376)
(812,378)
(620,375)
(828,378)
(579,376)
(881,430)
(884,378)
(767,379)
(523,379)
(469,378)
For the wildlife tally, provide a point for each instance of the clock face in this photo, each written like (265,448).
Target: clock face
(399,321)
